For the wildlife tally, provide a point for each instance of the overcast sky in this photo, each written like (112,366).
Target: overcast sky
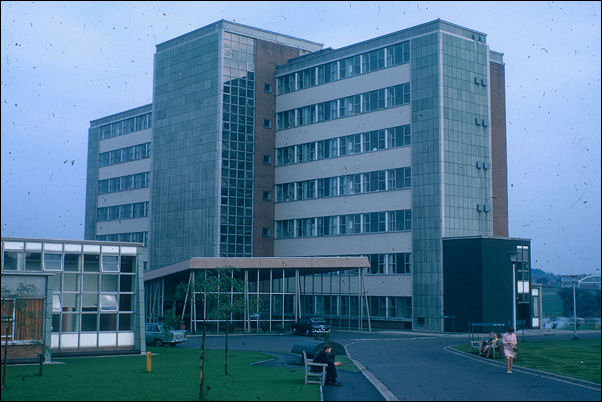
(67,63)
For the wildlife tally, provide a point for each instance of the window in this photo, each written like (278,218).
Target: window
(327,110)
(285,156)
(306,152)
(374,60)
(377,306)
(283,120)
(110,263)
(266,196)
(398,136)
(267,88)
(399,178)
(377,263)
(267,123)
(265,232)
(306,189)
(52,262)
(350,66)
(374,181)
(349,106)
(400,307)
(350,144)
(108,302)
(399,95)
(285,192)
(350,184)
(305,227)
(400,220)
(350,224)
(91,262)
(399,263)
(285,229)
(327,148)
(33,261)
(374,140)
(267,159)
(14,260)
(374,222)
(398,54)
(327,187)
(327,226)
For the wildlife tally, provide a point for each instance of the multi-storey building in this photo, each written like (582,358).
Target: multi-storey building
(268,145)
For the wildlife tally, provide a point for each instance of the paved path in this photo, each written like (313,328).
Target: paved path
(413,366)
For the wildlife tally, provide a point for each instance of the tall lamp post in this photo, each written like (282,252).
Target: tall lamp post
(574,308)
(513,260)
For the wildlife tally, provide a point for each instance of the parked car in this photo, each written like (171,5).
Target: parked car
(157,335)
(310,326)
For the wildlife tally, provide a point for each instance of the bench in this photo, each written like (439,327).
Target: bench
(475,346)
(309,374)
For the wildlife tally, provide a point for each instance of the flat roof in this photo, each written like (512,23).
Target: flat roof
(309,265)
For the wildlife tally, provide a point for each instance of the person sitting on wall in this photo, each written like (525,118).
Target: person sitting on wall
(323,356)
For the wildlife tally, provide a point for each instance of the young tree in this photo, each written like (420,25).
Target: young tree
(218,289)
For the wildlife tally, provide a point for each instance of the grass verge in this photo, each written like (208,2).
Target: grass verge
(174,376)
(575,358)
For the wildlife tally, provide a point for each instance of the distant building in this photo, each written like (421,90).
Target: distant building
(258,144)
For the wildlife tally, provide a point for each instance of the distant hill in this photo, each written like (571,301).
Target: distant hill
(545,278)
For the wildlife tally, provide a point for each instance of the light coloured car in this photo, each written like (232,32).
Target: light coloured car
(158,335)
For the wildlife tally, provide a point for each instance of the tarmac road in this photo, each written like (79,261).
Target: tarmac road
(417,366)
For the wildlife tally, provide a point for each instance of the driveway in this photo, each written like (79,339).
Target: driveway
(417,366)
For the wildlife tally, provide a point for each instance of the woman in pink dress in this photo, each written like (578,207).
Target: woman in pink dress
(509,342)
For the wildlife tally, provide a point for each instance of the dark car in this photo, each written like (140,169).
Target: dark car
(310,326)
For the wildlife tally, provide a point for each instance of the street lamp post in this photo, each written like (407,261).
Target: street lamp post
(513,260)
(574,309)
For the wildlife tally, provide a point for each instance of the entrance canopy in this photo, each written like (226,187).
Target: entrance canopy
(306,265)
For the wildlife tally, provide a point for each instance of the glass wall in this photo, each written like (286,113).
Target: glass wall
(237,146)
(95,285)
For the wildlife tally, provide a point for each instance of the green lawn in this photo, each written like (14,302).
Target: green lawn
(174,376)
(578,358)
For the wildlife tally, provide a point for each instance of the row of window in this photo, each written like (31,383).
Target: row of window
(136,237)
(397,263)
(92,282)
(390,307)
(92,322)
(399,307)
(124,183)
(347,145)
(359,64)
(371,222)
(380,180)
(351,105)
(126,126)
(125,211)
(127,154)
(48,261)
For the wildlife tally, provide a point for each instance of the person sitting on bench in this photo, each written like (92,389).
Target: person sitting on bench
(323,356)
(490,344)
